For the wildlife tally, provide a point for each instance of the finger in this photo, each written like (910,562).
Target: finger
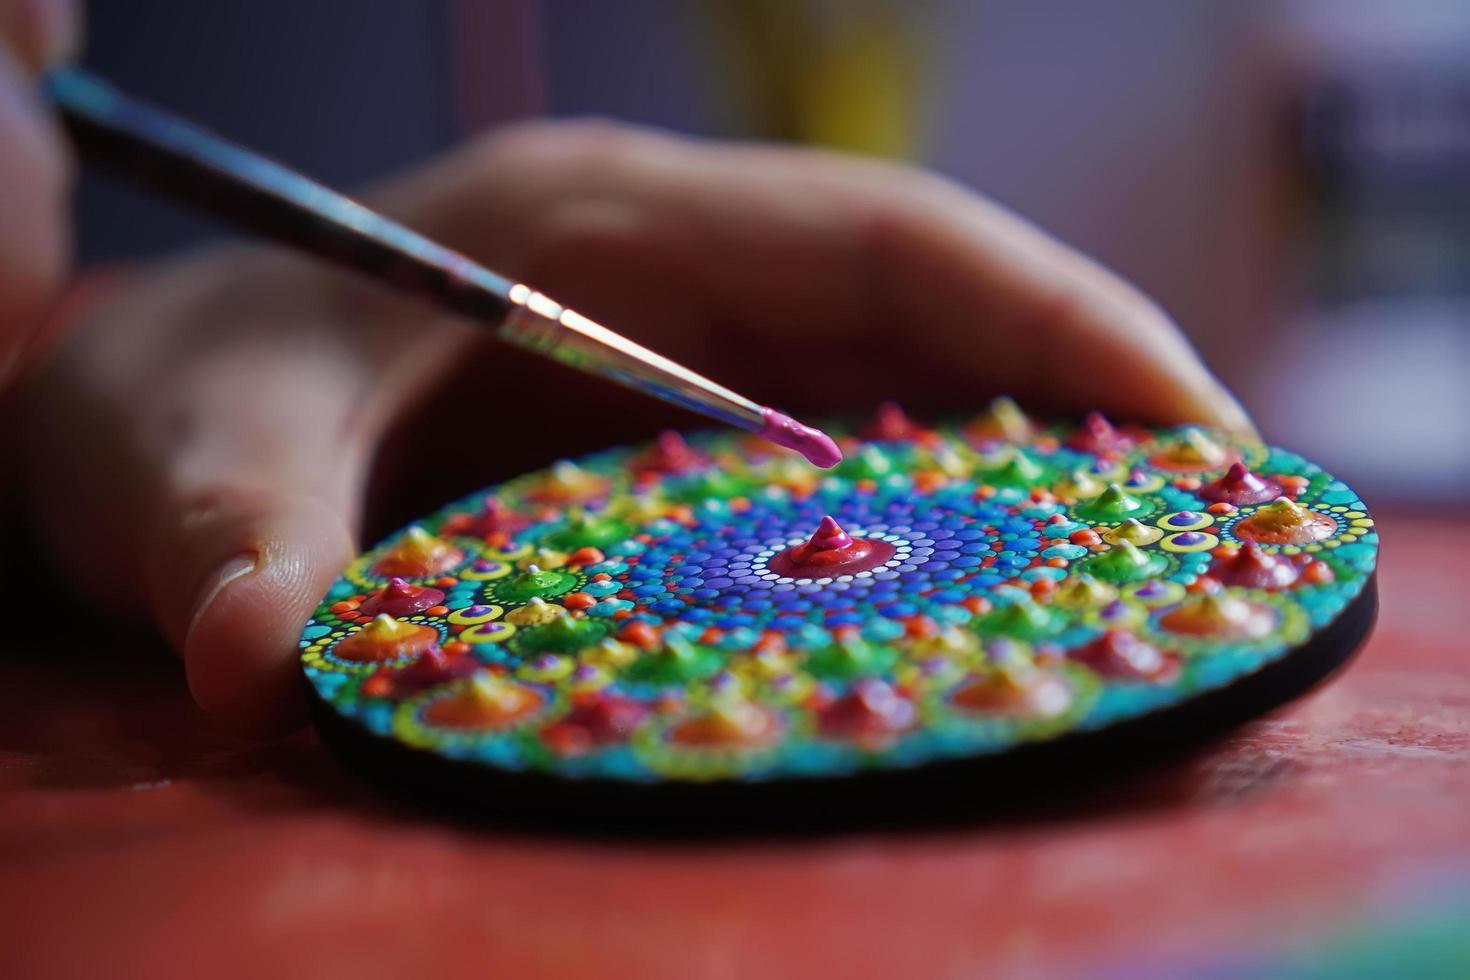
(35,185)
(39,32)
(878,269)
(218,425)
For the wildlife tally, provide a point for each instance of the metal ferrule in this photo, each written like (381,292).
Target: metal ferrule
(540,324)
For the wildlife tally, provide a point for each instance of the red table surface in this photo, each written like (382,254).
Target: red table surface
(136,842)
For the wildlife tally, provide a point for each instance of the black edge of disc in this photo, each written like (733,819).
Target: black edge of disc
(949,791)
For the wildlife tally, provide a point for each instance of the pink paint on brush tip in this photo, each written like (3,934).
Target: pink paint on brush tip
(814,444)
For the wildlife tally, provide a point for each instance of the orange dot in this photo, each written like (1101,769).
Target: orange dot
(639,634)
(1318,572)
(585,556)
(344,606)
(976,604)
(377,686)
(1221,508)
(436,610)
(456,648)
(920,626)
(711,635)
(1057,562)
(1085,538)
(446,582)
(770,641)
(578,600)
(927,481)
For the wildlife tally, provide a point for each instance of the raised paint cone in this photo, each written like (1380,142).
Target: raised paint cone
(1098,436)
(1015,691)
(831,551)
(1002,420)
(418,554)
(1084,592)
(670,453)
(892,424)
(566,482)
(1023,619)
(1133,532)
(1284,521)
(385,638)
(1192,450)
(1121,654)
(1018,470)
(1223,615)
(532,582)
(829,536)
(731,720)
(871,711)
(536,612)
(487,701)
(432,668)
(1113,506)
(1124,562)
(1253,568)
(1240,487)
(400,598)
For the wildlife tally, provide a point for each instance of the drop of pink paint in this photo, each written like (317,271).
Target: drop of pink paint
(814,444)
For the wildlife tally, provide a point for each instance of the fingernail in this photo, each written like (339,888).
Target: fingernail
(237,567)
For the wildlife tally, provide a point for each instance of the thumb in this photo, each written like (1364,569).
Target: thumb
(200,448)
(231,575)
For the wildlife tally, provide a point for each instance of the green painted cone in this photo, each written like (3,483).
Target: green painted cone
(582,531)
(565,634)
(868,463)
(1113,506)
(676,661)
(1024,620)
(1124,562)
(850,658)
(535,581)
(1020,470)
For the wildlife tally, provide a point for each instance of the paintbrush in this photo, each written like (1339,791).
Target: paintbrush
(204,172)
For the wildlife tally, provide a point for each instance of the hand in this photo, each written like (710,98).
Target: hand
(204,447)
(35,172)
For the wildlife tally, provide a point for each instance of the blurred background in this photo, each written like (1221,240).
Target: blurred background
(1291,180)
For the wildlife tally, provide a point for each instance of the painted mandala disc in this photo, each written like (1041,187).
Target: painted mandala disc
(719,612)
